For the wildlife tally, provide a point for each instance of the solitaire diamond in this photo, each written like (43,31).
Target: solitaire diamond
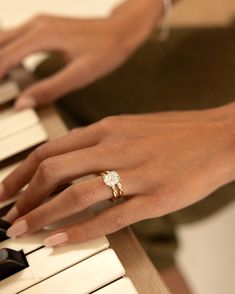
(111,178)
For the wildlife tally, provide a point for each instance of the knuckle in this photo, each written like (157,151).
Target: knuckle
(85,232)
(109,122)
(40,18)
(119,144)
(118,221)
(47,169)
(121,220)
(165,189)
(86,70)
(43,92)
(41,153)
(44,22)
(75,130)
(81,196)
(122,142)
(163,193)
(160,190)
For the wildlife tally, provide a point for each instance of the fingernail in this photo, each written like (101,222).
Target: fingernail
(17,229)
(24,102)
(12,215)
(2,191)
(56,239)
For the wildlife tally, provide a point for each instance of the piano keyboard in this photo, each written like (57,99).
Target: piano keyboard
(26,266)
(8,91)
(19,131)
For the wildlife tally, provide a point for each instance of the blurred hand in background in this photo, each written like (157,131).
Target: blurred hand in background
(91,48)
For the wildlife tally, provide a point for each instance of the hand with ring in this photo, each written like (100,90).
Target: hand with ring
(158,163)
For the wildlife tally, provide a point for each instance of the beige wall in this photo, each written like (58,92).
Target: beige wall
(204,12)
(15,11)
(186,11)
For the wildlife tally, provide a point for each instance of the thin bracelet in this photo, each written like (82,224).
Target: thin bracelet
(166,24)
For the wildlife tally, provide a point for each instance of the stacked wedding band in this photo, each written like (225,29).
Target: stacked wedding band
(113,180)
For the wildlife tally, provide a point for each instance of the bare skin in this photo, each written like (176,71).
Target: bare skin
(92,48)
(166,161)
(178,158)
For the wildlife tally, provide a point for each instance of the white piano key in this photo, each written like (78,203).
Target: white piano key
(123,285)
(46,262)
(5,113)
(8,91)
(22,141)
(28,244)
(85,277)
(17,122)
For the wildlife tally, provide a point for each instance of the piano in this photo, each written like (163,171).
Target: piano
(109,264)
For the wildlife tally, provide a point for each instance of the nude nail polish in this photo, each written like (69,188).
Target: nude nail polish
(17,229)
(56,240)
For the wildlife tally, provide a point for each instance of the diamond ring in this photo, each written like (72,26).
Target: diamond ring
(113,180)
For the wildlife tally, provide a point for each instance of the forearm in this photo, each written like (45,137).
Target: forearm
(223,119)
(136,19)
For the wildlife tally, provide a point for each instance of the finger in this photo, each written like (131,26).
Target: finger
(73,200)
(76,75)
(62,169)
(76,140)
(9,35)
(109,221)
(166,116)
(12,54)
(73,76)
(49,89)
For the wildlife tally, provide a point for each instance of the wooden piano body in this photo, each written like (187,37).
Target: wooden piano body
(112,264)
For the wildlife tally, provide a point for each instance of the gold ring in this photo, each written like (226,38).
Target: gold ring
(112,180)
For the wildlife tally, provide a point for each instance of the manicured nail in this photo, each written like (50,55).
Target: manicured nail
(24,102)
(12,215)
(56,239)
(2,191)
(17,229)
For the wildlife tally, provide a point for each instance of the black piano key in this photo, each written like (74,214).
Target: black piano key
(11,262)
(4,226)
(4,210)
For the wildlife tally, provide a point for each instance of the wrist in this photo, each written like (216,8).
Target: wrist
(134,21)
(224,116)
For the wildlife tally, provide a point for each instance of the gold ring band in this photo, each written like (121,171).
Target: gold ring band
(112,180)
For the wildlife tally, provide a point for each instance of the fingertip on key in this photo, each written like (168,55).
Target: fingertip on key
(17,229)
(24,102)
(56,240)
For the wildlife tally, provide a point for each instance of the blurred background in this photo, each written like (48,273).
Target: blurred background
(206,255)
